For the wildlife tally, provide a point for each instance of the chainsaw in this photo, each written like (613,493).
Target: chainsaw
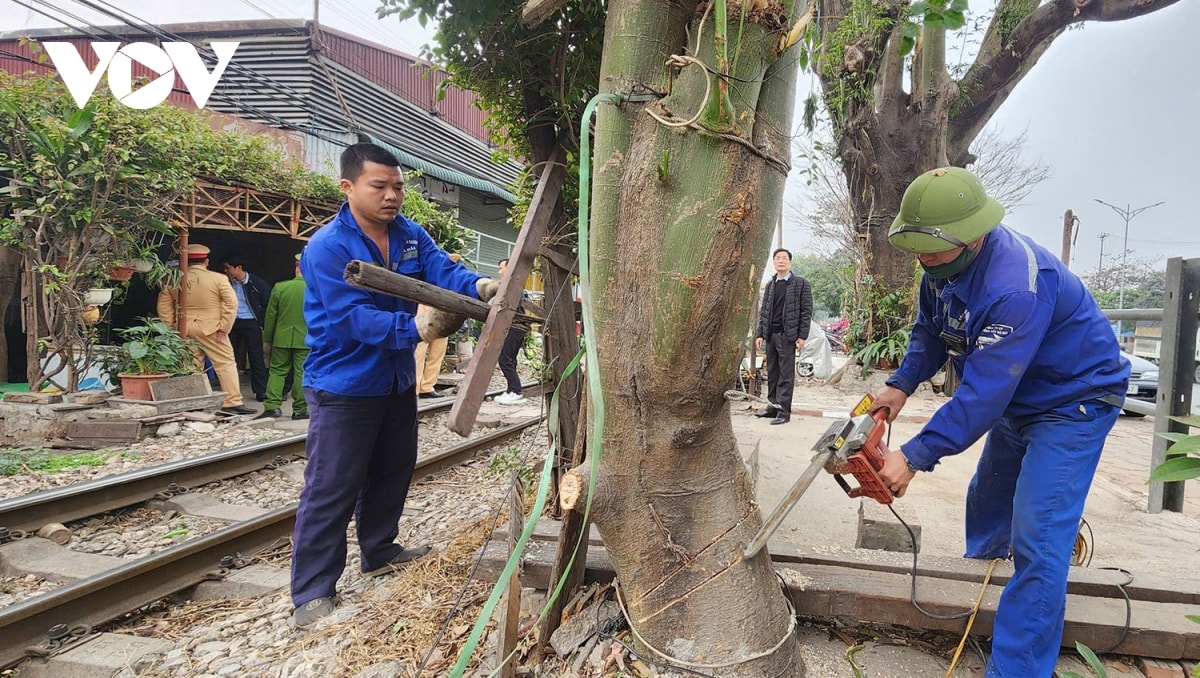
(852,446)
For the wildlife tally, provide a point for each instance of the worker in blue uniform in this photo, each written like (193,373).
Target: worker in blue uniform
(1041,374)
(359,379)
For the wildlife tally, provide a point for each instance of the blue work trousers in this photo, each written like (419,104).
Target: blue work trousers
(1027,497)
(361,454)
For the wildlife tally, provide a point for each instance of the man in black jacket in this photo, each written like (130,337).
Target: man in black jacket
(783,322)
(247,338)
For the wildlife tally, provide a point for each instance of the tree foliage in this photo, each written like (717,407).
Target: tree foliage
(525,78)
(1144,282)
(830,281)
(89,189)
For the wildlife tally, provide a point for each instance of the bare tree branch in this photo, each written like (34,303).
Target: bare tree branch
(1006,174)
(1006,59)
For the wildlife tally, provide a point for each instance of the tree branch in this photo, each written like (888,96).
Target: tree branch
(997,70)
(891,77)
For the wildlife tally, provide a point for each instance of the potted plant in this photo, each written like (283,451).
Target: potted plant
(151,351)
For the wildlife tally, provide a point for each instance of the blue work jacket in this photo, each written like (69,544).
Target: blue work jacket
(1024,333)
(361,343)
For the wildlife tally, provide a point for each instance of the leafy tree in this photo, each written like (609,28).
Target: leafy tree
(1144,282)
(829,281)
(898,109)
(442,224)
(88,190)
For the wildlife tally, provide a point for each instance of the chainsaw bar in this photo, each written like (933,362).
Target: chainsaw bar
(827,446)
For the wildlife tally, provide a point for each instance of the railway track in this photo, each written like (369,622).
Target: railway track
(56,620)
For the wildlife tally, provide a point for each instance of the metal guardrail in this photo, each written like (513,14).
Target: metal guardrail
(1180,318)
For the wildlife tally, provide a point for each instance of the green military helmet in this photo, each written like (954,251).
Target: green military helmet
(943,209)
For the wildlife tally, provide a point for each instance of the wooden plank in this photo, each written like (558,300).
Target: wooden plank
(1156,629)
(1181,588)
(379,279)
(109,429)
(508,297)
(187,386)
(512,596)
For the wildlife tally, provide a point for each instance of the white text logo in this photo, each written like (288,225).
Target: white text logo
(117,61)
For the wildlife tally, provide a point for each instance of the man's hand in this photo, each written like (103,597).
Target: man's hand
(892,398)
(435,324)
(486,288)
(221,335)
(758,344)
(799,344)
(895,473)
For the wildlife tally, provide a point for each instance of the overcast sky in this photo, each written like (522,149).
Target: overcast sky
(1112,109)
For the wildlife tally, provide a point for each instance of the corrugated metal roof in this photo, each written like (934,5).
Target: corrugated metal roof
(276,79)
(445,174)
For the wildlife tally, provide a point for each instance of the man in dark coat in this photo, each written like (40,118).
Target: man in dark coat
(783,323)
(247,333)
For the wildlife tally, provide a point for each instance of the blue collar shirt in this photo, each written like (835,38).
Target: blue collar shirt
(361,342)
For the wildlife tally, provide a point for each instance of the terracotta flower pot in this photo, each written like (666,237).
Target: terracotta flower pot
(121,272)
(137,386)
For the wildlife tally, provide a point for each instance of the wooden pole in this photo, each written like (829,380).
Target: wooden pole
(379,279)
(512,596)
(502,312)
(181,315)
(1069,221)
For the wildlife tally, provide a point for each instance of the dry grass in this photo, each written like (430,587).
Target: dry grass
(404,623)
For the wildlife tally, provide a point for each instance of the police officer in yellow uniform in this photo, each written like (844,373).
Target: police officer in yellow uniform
(211,309)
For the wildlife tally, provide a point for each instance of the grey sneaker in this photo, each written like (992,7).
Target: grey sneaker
(312,611)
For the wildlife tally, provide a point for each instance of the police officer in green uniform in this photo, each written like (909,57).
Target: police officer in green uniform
(284,329)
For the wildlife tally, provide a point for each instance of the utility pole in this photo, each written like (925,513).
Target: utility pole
(1069,223)
(1103,237)
(1127,214)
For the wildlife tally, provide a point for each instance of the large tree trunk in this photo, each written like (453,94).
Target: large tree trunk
(682,223)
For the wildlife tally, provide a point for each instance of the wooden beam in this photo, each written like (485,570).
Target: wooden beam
(1180,588)
(536,11)
(379,279)
(1159,630)
(511,612)
(508,297)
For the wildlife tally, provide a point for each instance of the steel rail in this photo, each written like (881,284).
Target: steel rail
(124,589)
(72,502)
(63,504)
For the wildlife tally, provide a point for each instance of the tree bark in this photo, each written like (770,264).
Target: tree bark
(683,218)
(885,140)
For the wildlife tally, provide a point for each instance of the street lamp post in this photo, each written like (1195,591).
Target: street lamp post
(1127,214)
